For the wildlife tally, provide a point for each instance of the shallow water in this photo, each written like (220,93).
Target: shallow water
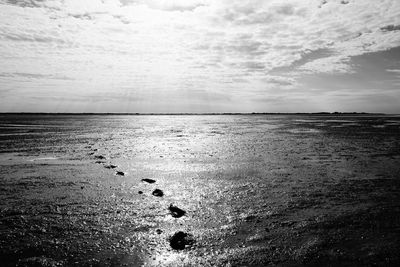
(257,190)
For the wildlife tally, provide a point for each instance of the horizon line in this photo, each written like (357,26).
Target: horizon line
(196,113)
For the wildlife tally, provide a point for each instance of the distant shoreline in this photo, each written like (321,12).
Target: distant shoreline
(205,114)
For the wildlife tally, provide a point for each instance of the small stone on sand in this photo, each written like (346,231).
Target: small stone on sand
(158,193)
(175,211)
(180,240)
(150,181)
(110,166)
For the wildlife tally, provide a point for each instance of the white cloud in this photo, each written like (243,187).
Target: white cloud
(169,5)
(332,64)
(394,71)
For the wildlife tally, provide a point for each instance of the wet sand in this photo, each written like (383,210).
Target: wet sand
(255,190)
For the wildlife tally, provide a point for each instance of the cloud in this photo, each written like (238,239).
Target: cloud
(26,3)
(287,30)
(279,80)
(34,76)
(332,64)
(257,34)
(393,71)
(32,37)
(172,5)
(216,46)
(48,4)
(252,66)
(390,28)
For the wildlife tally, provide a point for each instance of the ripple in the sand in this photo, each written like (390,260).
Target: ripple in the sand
(303,130)
(45,158)
(181,240)
(150,181)
(175,211)
(99,157)
(158,193)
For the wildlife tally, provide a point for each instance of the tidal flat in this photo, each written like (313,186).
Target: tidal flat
(199,190)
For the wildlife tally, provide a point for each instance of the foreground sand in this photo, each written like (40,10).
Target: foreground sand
(257,190)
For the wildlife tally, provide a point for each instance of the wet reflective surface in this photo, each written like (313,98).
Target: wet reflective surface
(255,190)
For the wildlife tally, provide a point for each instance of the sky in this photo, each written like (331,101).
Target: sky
(166,56)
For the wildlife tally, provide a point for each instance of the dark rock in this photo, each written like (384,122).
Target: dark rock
(140,192)
(158,193)
(120,173)
(175,211)
(159,231)
(180,240)
(150,181)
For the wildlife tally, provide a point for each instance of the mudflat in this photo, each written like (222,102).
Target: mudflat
(199,190)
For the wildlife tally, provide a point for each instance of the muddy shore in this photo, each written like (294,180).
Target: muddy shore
(255,190)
